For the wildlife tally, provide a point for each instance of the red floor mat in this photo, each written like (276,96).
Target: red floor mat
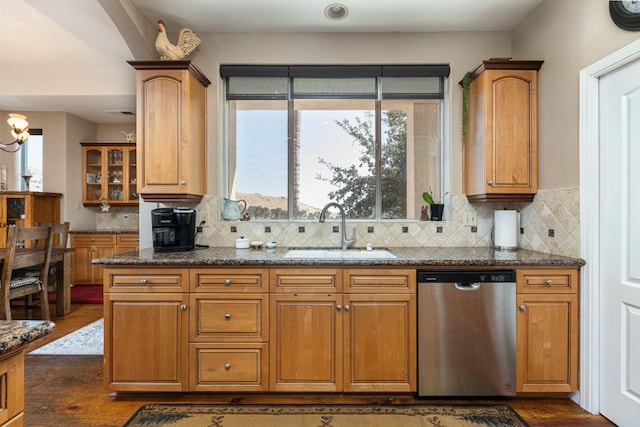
(82,294)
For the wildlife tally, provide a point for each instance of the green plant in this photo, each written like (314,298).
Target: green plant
(428,198)
(466,82)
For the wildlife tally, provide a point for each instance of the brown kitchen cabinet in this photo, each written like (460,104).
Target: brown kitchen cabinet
(146,330)
(171,130)
(27,209)
(229,330)
(89,246)
(333,318)
(547,330)
(12,390)
(500,153)
(109,174)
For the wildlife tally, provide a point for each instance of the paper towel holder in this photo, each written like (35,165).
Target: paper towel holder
(505,236)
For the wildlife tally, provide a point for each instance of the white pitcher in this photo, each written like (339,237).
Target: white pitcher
(231,209)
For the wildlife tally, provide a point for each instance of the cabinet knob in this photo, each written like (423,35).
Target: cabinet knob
(522,307)
(490,182)
(143,281)
(227,282)
(227,366)
(346,307)
(183,182)
(338,307)
(183,307)
(227,316)
(549,282)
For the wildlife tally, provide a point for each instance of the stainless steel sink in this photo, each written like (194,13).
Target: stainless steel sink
(339,254)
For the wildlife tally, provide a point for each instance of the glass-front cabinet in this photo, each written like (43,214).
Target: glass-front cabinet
(109,174)
(27,209)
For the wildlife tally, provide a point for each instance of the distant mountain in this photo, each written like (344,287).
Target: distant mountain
(271,202)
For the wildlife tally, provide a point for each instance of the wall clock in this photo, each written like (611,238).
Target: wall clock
(625,14)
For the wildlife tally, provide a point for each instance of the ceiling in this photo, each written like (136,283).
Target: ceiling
(72,53)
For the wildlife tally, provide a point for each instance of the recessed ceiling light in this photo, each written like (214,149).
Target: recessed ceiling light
(336,11)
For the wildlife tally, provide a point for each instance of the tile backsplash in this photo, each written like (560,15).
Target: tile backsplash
(556,210)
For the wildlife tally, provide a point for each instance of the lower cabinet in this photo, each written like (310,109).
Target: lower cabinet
(12,390)
(146,330)
(337,340)
(236,329)
(547,330)
(90,246)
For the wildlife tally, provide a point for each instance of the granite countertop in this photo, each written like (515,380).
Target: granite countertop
(18,333)
(103,231)
(407,256)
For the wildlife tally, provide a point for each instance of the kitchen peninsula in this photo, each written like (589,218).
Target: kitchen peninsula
(237,320)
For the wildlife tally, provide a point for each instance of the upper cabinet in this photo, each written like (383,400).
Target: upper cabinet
(171,130)
(500,153)
(109,174)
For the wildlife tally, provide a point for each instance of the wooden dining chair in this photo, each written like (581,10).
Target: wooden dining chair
(27,247)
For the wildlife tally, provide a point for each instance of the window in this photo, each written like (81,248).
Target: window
(369,138)
(31,161)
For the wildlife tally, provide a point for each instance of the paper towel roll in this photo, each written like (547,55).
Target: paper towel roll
(506,226)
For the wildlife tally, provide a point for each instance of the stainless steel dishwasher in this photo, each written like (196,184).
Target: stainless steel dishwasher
(466,333)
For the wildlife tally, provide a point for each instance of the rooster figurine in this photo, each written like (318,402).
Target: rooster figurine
(187,42)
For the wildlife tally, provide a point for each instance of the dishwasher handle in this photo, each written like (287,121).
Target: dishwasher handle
(467,286)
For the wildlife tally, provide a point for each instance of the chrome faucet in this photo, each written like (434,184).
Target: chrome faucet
(345,242)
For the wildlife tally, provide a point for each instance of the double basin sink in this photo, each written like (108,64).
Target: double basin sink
(338,254)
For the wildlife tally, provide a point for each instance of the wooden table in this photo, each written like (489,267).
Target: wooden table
(61,258)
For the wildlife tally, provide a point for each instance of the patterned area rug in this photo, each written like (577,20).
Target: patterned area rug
(161,415)
(88,340)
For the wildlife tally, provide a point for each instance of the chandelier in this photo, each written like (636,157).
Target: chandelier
(19,130)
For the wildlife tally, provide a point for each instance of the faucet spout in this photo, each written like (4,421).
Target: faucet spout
(346,243)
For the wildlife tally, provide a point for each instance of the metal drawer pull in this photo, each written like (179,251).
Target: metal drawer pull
(227,316)
(549,282)
(227,366)
(227,282)
(143,281)
(522,307)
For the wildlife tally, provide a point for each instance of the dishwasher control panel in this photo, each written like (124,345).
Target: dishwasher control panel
(453,276)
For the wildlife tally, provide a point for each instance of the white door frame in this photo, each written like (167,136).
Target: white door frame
(588,397)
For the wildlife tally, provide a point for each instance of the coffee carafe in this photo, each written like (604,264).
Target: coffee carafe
(173,229)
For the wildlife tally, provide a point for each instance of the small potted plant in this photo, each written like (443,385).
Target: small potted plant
(436,209)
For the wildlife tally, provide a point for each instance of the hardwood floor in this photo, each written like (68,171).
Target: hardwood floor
(68,391)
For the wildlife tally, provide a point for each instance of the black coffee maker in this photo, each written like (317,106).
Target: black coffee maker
(173,229)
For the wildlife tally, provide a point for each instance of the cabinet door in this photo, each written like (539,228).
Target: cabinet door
(114,185)
(127,243)
(92,175)
(146,342)
(97,271)
(380,342)
(130,174)
(306,342)
(12,387)
(171,131)
(547,342)
(82,269)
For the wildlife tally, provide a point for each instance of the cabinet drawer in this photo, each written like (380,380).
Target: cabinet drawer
(128,239)
(229,280)
(380,280)
(229,367)
(157,280)
(547,281)
(306,280)
(229,317)
(93,239)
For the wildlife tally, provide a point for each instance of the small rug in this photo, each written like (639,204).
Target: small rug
(82,294)
(165,415)
(88,340)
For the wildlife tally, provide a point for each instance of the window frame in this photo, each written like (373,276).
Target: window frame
(444,155)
